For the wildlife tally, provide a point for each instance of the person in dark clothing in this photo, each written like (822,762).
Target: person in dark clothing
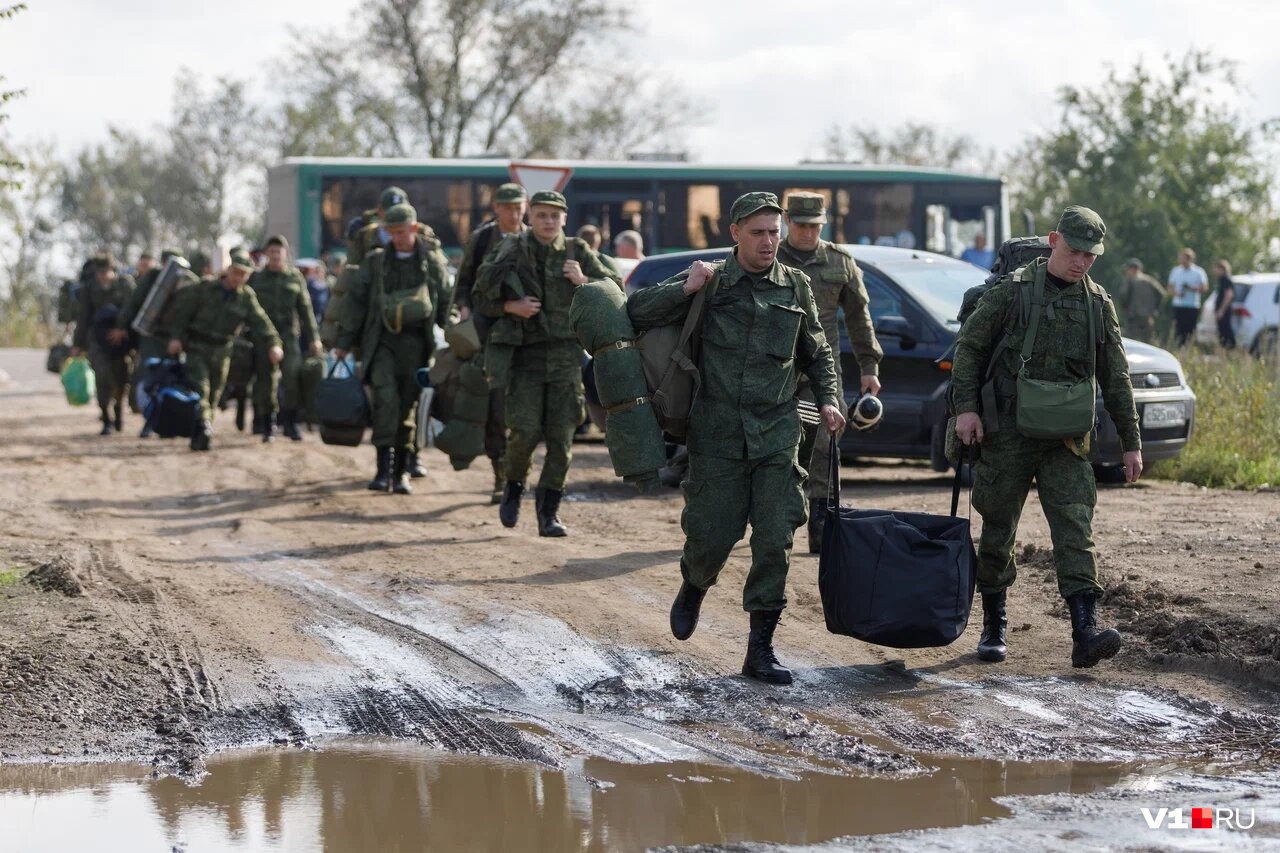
(1226,295)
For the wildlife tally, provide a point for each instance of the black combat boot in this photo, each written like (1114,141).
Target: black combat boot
(202,437)
(106,422)
(268,427)
(498,481)
(400,472)
(240,416)
(289,424)
(118,419)
(257,423)
(685,610)
(509,508)
(547,506)
(415,468)
(991,645)
(1088,644)
(381,481)
(761,663)
(817,520)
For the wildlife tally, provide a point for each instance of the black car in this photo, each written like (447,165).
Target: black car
(915,297)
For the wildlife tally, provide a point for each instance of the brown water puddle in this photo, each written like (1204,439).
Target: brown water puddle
(366,795)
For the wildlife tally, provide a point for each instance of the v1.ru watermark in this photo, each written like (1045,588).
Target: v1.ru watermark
(1201,818)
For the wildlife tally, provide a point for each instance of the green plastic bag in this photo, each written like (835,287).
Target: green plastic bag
(79,381)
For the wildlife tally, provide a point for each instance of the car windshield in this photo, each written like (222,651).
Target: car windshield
(938,286)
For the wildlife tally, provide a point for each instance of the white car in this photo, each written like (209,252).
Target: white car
(1255,313)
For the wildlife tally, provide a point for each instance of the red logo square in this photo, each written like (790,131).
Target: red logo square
(1202,818)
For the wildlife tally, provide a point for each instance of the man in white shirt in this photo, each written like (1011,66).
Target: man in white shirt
(1186,282)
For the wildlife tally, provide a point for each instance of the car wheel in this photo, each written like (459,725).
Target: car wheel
(1265,343)
(1109,474)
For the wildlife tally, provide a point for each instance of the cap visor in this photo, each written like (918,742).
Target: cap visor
(1084,245)
(771,207)
(809,220)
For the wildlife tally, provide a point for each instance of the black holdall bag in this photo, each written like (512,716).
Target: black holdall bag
(341,406)
(898,579)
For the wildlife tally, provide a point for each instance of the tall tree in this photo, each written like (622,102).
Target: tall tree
(108,196)
(1165,159)
(9,164)
(448,78)
(28,236)
(909,144)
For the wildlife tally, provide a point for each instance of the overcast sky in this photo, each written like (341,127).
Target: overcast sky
(773,74)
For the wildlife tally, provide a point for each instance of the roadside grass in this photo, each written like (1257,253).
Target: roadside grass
(18,329)
(1236,442)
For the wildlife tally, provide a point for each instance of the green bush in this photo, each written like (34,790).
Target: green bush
(1236,441)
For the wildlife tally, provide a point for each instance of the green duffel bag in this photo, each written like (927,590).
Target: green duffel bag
(461,440)
(79,381)
(463,339)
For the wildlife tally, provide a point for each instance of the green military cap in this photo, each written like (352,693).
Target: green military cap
(550,198)
(1135,263)
(240,258)
(510,194)
(401,214)
(276,240)
(1083,229)
(749,203)
(198,261)
(807,208)
(392,196)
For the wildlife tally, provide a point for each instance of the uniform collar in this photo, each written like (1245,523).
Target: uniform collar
(556,245)
(734,271)
(819,254)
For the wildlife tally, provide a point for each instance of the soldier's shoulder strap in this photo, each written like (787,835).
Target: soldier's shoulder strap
(838,249)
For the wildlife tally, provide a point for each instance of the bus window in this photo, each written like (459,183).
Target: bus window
(880,215)
(703,218)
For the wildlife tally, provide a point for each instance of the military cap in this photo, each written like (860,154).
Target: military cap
(807,208)
(550,198)
(146,253)
(749,203)
(103,261)
(1135,263)
(198,261)
(401,214)
(1083,229)
(240,258)
(337,254)
(510,194)
(276,240)
(392,196)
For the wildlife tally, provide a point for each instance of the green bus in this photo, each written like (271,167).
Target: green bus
(673,205)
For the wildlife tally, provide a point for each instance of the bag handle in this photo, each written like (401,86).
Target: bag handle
(833,474)
(956,484)
(334,368)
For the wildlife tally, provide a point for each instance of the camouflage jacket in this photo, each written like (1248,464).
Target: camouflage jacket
(757,338)
(1138,300)
(490,237)
(1061,351)
(285,298)
(210,315)
(93,298)
(837,283)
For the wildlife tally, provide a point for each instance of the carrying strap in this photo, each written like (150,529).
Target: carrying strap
(1039,306)
(957,482)
(833,480)
(343,362)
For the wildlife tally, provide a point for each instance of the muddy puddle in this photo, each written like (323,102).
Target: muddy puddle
(362,795)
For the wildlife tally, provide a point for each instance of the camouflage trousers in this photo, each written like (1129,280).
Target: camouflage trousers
(207,366)
(1008,465)
(720,497)
(112,375)
(545,402)
(268,379)
(393,377)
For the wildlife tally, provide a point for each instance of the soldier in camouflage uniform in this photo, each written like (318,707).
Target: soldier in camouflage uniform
(401,291)
(836,282)
(509,205)
(759,333)
(1010,461)
(282,293)
(100,298)
(207,317)
(149,346)
(1138,299)
(532,352)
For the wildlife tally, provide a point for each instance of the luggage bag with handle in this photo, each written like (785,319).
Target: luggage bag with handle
(898,579)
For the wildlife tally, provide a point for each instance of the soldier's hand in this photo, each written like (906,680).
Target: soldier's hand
(464,313)
(175,346)
(969,428)
(115,337)
(832,418)
(699,274)
(276,354)
(573,272)
(525,307)
(317,348)
(1132,466)
(871,384)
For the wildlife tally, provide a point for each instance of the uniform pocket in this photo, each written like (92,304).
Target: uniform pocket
(782,329)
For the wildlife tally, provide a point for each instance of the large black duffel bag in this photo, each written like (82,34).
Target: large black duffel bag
(341,402)
(898,579)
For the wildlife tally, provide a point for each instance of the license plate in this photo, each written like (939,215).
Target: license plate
(1159,415)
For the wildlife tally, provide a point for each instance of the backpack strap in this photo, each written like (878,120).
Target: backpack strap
(1037,308)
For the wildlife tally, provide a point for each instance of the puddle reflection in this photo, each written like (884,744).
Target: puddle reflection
(366,796)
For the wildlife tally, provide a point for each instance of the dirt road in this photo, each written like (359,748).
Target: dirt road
(181,603)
